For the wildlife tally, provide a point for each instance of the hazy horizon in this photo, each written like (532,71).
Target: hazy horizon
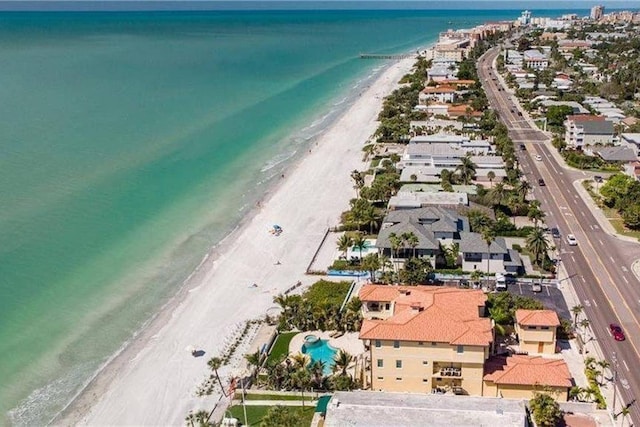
(195,5)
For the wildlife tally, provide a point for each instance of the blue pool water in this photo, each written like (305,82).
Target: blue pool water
(321,350)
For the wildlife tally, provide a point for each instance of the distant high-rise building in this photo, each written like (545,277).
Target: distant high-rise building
(525,18)
(597,12)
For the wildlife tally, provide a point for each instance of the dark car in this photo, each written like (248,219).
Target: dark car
(523,147)
(597,178)
(555,233)
(541,182)
(616,331)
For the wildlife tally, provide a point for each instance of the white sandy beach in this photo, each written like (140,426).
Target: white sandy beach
(154,381)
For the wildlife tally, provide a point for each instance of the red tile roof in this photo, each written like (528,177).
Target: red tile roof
(439,89)
(585,118)
(537,318)
(527,370)
(428,313)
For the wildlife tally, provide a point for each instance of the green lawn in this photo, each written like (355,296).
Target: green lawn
(256,413)
(256,396)
(281,346)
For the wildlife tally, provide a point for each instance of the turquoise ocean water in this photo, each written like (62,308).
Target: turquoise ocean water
(131,143)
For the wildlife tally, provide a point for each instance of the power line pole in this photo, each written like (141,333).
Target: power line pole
(614,380)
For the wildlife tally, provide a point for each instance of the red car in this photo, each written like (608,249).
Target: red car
(616,331)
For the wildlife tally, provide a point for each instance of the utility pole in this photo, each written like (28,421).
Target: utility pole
(614,380)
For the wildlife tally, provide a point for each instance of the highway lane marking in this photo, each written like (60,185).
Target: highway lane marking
(624,269)
(602,243)
(625,279)
(624,362)
(610,257)
(587,303)
(595,303)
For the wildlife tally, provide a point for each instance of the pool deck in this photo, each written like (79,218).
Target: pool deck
(349,342)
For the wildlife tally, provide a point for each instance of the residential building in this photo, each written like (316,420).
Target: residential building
(440,94)
(419,199)
(633,170)
(437,227)
(524,18)
(536,331)
(577,108)
(518,377)
(535,59)
(585,130)
(370,408)
(631,140)
(617,154)
(425,338)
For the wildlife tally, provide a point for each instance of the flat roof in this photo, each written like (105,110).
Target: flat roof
(370,408)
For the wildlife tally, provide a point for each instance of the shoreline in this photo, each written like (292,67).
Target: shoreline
(184,320)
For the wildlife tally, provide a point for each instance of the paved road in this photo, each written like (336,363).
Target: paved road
(600,266)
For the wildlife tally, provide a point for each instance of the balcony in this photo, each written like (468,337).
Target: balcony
(448,373)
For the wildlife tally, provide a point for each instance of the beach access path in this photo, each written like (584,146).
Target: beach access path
(154,380)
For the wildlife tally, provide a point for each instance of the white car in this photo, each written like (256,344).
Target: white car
(571,240)
(538,157)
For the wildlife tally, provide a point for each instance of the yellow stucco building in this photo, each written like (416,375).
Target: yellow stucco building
(536,330)
(423,339)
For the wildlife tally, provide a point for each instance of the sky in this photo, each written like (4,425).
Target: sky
(30,5)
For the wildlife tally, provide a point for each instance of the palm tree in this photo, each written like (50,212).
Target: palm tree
(317,371)
(341,362)
(491,175)
(535,213)
(537,244)
(395,242)
(584,324)
(301,379)
(466,170)
(215,363)
(488,235)
(344,243)
(603,364)
(358,180)
(497,195)
(371,263)
(279,416)
(360,242)
(576,310)
(522,189)
(254,359)
(299,360)
(370,217)
(412,241)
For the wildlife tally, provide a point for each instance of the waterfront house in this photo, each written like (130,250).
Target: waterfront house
(584,130)
(441,94)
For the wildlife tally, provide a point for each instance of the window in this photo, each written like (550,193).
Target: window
(544,328)
(396,344)
(380,378)
(378,344)
(425,362)
(380,363)
(425,380)
(433,344)
(420,343)
(398,363)
(398,379)
(387,306)
(460,349)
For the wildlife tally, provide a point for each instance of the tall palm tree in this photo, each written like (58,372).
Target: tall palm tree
(360,242)
(491,175)
(412,241)
(466,170)
(603,364)
(488,235)
(317,371)
(522,189)
(371,218)
(497,195)
(358,180)
(344,243)
(301,379)
(537,244)
(371,263)
(215,363)
(535,213)
(341,362)
(254,360)
(300,360)
(576,310)
(395,242)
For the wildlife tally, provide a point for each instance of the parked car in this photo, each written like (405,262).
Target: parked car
(538,157)
(555,233)
(571,240)
(541,182)
(597,178)
(536,287)
(523,147)
(616,331)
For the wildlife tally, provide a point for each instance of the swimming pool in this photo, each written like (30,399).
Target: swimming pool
(319,349)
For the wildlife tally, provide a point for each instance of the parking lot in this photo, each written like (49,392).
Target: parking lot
(550,296)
